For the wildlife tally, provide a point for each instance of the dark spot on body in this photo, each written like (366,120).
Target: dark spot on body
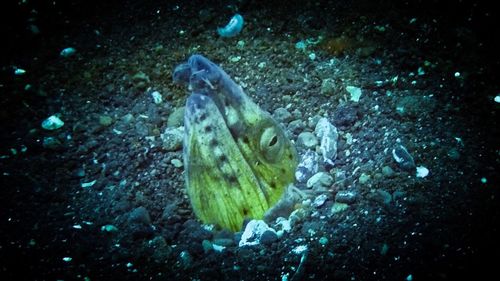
(283,171)
(233,180)
(208,129)
(213,143)
(203,116)
(245,212)
(245,139)
(223,158)
(272,185)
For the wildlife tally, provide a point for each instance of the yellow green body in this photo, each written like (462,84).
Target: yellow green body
(238,159)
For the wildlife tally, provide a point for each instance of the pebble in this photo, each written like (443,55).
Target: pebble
(339,207)
(320,181)
(172,138)
(319,201)
(253,233)
(52,123)
(346,196)
(296,126)
(51,143)
(139,215)
(307,166)
(355,93)
(403,158)
(157,98)
(328,86)
(177,163)
(282,115)
(176,118)
(381,196)
(364,178)
(105,120)
(388,171)
(268,237)
(307,140)
(328,136)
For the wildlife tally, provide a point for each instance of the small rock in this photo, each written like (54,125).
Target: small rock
(161,250)
(345,116)
(176,118)
(387,172)
(328,135)
(185,259)
(172,138)
(177,163)
(346,196)
(268,237)
(253,233)
(67,52)
(51,143)
(307,140)
(140,77)
(139,216)
(312,121)
(128,118)
(105,120)
(207,246)
(296,126)
(282,115)
(141,129)
(328,87)
(364,178)
(52,123)
(319,201)
(355,93)
(422,172)
(307,166)
(403,158)
(225,242)
(339,207)
(320,181)
(157,98)
(381,196)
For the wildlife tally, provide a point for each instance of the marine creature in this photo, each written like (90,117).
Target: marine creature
(238,159)
(232,28)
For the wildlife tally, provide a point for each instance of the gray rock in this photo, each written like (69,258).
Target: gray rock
(141,129)
(282,115)
(51,143)
(320,181)
(387,172)
(307,140)
(328,86)
(381,196)
(307,166)
(296,126)
(319,201)
(364,178)
(346,196)
(328,136)
(176,118)
(139,216)
(268,237)
(253,233)
(312,121)
(105,120)
(172,138)
(403,158)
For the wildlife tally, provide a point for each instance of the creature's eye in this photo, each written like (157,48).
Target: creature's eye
(271,144)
